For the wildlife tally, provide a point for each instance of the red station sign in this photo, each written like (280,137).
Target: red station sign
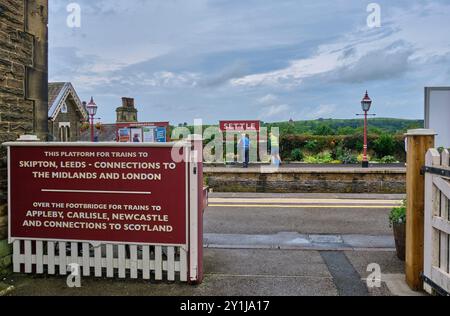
(240,126)
(105,194)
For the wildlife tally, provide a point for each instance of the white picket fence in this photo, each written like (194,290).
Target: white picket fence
(437,221)
(104,260)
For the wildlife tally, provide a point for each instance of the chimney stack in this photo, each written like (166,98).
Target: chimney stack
(127,113)
(128,102)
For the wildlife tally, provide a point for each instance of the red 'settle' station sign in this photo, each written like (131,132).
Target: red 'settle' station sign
(105,194)
(240,126)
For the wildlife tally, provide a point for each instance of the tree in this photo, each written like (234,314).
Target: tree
(324,130)
(346,130)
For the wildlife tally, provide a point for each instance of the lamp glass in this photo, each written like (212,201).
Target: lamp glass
(92,109)
(366,105)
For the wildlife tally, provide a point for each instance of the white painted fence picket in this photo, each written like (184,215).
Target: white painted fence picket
(437,222)
(104,260)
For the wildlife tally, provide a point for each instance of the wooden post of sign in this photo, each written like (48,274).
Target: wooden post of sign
(418,143)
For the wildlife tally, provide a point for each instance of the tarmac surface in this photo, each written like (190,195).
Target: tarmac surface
(273,245)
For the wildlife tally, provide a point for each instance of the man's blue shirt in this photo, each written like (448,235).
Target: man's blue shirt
(245,143)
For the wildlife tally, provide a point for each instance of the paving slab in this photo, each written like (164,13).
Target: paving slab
(388,262)
(273,263)
(269,286)
(345,277)
(392,269)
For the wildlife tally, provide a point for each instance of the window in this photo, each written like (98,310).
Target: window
(64,132)
(64,108)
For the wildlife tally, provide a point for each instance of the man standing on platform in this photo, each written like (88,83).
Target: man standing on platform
(245,147)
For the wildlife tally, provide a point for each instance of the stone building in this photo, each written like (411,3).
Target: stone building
(127,113)
(23,86)
(66,113)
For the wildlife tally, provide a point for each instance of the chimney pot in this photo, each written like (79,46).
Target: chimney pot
(128,102)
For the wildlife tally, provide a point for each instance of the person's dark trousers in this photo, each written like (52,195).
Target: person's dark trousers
(247,157)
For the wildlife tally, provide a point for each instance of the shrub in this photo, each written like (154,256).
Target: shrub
(384,145)
(388,159)
(361,157)
(338,151)
(297,155)
(398,215)
(348,158)
(353,142)
(319,158)
(325,158)
(311,146)
(310,159)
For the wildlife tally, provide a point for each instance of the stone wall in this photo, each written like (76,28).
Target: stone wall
(308,180)
(23,86)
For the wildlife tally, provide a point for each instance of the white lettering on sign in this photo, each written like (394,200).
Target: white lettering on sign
(240,126)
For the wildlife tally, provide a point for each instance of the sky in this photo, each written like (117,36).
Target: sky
(271,60)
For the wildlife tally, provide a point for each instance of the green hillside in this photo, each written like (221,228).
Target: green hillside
(325,127)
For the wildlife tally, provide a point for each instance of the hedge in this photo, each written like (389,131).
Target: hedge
(317,144)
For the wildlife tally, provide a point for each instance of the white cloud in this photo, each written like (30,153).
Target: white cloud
(422,27)
(268,99)
(170,79)
(275,112)
(322,111)
(294,74)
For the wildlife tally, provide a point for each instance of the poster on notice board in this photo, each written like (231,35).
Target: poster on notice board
(161,135)
(136,134)
(124,135)
(149,134)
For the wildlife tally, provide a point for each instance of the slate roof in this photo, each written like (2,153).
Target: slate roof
(57,94)
(54,89)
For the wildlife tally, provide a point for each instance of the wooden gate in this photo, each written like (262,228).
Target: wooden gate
(437,222)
